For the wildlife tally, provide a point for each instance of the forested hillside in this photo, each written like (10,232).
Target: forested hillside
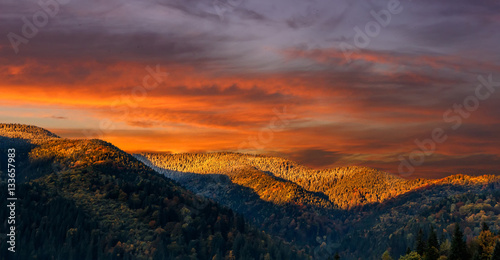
(370,211)
(346,187)
(278,206)
(86,199)
(29,133)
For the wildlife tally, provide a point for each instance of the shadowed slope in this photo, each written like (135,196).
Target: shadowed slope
(278,206)
(378,203)
(345,187)
(86,199)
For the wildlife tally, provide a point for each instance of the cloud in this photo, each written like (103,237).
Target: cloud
(226,76)
(315,157)
(58,117)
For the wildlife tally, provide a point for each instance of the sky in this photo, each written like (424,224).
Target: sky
(409,87)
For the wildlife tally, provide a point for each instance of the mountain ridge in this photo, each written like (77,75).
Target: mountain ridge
(362,197)
(87,199)
(357,212)
(26,132)
(334,182)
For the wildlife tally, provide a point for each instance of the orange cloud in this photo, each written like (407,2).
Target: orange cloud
(348,115)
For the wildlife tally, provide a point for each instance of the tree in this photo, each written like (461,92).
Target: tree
(336,257)
(485,227)
(411,256)
(432,251)
(420,242)
(486,243)
(433,240)
(458,246)
(444,248)
(496,251)
(386,255)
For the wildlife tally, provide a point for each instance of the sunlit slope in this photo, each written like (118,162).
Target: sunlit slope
(87,199)
(345,186)
(268,187)
(26,132)
(372,206)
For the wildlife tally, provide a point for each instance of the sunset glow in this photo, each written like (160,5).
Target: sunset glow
(265,77)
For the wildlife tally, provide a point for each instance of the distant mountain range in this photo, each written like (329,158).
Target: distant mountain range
(74,193)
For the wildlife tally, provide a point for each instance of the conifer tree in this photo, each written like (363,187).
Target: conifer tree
(432,250)
(496,251)
(485,227)
(458,246)
(420,242)
(433,240)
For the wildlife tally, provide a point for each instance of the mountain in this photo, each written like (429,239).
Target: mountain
(29,133)
(87,199)
(357,211)
(346,187)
